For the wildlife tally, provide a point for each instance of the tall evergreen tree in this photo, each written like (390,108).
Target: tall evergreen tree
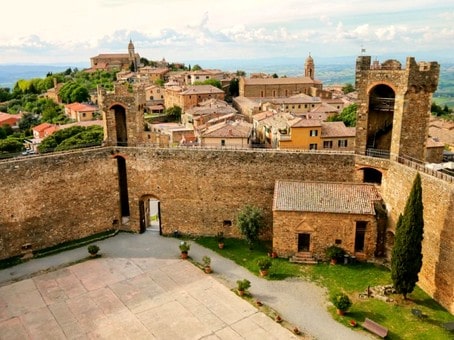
(406,260)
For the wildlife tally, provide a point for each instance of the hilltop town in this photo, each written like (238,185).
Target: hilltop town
(183,150)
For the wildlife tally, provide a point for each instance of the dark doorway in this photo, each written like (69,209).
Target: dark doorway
(123,188)
(143,226)
(150,214)
(120,125)
(304,242)
(360,236)
(372,176)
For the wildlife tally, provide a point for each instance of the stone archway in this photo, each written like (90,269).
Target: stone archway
(380,120)
(371,175)
(120,125)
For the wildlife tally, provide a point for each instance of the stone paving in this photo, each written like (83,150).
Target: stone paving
(130,298)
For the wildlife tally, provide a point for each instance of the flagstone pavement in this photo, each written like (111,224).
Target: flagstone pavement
(140,289)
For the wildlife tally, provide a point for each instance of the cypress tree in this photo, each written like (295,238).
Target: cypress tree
(406,260)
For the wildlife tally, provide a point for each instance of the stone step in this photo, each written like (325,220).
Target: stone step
(303,258)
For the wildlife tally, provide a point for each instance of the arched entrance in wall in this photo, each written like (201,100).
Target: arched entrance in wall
(150,214)
(123,189)
(120,125)
(371,175)
(380,120)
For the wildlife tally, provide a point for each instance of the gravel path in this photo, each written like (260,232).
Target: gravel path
(300,302)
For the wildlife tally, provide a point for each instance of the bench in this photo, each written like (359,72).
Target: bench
(375,328)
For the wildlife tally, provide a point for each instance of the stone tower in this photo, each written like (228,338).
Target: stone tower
(132,55)
(122,111)
(309,67)
(394,107)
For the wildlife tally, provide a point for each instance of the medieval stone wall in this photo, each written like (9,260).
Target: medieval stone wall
(436,276)
(57,198)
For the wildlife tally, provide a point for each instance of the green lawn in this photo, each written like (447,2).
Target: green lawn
(352,279)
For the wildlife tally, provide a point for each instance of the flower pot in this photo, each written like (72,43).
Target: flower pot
(240,292)
(263,272)
(207,269)
(340,312)
(184,255)
(333,261)
(221,245)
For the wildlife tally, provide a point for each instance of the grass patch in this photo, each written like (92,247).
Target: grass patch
(352,279)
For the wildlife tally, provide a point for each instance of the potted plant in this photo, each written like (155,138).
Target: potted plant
(242,286)
(93,249)
(206,264)
(342,302)
(220,238)
(184,248)
(334,253)
(264,264)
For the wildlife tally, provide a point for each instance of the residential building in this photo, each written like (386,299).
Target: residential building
(234,134)
(190,96)
(10,119)
(80,111)
(193,77)
(206,111)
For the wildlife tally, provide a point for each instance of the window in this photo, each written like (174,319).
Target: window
(328,144)
(222,142)
(261,94)
(227,223)
(196,77)
(313,133)
(313,146)
(83,114)
(305,106)
(360,236)
(342,143)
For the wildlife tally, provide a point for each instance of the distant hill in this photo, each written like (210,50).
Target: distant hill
(10,74)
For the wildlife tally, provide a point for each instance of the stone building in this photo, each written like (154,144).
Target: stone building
(310,216)
(284,87)
(116,61)
(190,96)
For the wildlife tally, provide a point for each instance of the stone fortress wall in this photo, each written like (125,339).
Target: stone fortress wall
(57,198)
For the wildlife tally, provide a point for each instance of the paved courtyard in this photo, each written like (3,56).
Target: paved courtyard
(136,298)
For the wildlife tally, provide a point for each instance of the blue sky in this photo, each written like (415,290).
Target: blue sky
(63,31)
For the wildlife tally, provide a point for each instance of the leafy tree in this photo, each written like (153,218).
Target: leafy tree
(11,145)
(212,82)
(159,82)
(5,131)
(348,116)
(347,88)
(275,75)
(234,87)
(92,135)
(173,113)
(249,221)
(196,67)
(406,260)
(27,121)
(240,73)
(4,94)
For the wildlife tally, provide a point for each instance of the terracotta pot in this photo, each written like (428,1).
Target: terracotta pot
(263,272)
(184,255)
(240,292)
(207,269)
(333,261)
(340,312)
(221,245)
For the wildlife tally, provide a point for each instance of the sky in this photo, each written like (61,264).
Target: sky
(71,32)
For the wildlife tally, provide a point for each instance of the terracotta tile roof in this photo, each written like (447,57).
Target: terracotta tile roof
(346,198)
(434,143)
(296,99)
(304,122)
(236,129)
(41,127)
(263,115)
(201,89)
(79,107)
(280,81)
(337,129)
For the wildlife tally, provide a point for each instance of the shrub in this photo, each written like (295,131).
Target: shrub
(334,252)
(243,284)
(264,263)
(93,249)
(206,260)
(184,246)
(341,301)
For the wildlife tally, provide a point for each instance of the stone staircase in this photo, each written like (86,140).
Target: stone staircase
(303,258)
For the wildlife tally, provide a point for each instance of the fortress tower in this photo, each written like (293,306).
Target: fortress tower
(123,111)
(394,107)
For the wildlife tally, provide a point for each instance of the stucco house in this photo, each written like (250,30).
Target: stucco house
(236,134)
(310,216)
